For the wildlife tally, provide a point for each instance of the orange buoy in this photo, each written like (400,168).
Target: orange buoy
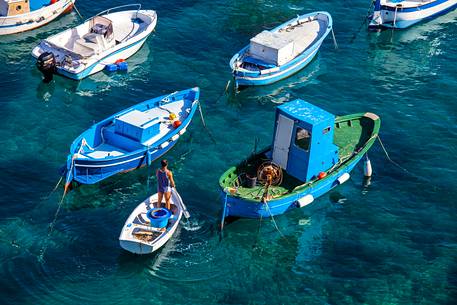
(176,123)
(322,175)
(119,60)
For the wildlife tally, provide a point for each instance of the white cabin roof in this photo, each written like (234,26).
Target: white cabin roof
(271,40)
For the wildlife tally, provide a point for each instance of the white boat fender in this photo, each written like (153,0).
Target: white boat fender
(182,131)
(164,144)
(367,169)
(175,137)
(343,178)
(304,201)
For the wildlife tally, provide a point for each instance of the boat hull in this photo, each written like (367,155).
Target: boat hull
(269,76)
(34,19)
(99,65)
(284,72)
(398,17)
(87,169)
(86,172)
(238,207)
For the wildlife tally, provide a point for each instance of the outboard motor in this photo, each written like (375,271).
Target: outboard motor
(46,63)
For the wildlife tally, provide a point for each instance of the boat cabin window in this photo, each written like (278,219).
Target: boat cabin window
(302,138)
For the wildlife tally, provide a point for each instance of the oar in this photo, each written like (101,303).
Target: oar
(180,202)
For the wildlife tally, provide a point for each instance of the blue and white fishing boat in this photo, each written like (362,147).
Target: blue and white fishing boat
(313,151)
(400,14)
(24,15)
(276,54)
(105,39)
(131,138)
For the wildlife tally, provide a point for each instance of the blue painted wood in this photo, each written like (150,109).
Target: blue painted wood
(133,154)
(238,207)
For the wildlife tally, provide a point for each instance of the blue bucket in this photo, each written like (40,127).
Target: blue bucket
(159,217)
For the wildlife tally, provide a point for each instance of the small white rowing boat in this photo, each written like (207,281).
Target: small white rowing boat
(101,40)
(23,15)
(139,237)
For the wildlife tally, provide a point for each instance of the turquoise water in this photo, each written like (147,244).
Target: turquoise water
(393,242)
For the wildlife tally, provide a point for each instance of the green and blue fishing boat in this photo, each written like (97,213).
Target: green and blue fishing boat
(313,151)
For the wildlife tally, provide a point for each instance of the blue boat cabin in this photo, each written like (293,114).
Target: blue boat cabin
(303,140)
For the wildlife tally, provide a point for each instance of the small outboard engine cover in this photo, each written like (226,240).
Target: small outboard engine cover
(46,63)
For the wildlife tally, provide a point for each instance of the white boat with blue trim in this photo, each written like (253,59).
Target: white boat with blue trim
(276,54)
(141,234)
(23,15)
(401,14)
(101,40)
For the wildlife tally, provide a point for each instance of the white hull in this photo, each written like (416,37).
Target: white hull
(34,19)
(407,13)
(131,243)
(112,59)
(129,36)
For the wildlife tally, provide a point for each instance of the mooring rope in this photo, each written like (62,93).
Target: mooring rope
(223,216)
(334,39)
(50,230)
(363,23)
(223,92)
(77,12)
(56,214)
(55,188)
(204,123)
(398,165)
(274,221)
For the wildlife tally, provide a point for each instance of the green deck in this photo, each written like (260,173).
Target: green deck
(353,133)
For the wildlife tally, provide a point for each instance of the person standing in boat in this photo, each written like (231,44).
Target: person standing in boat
(164,184)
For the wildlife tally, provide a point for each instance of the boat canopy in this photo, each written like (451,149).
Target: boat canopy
(303,142)
(101,26)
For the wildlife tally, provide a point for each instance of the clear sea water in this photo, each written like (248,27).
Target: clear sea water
(393,242)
